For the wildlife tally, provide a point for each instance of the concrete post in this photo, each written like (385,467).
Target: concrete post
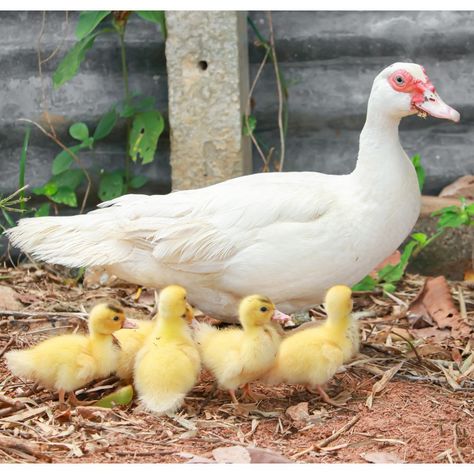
(207,63)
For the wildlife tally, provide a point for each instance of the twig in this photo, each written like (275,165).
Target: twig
(455,444)
(70,153)
(338,433)
(265,160)
(23,446)
(7,345)
(46,314)
(280,93)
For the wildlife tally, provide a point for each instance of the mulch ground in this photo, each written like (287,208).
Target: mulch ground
(406,398)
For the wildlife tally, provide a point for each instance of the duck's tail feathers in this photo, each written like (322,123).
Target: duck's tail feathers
(74,241)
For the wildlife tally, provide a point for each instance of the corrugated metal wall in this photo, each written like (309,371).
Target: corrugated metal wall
(328,58)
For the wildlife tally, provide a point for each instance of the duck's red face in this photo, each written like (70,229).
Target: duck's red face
(424,98)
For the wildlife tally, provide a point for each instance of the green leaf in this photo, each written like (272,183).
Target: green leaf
(394,273)
(251,125)
(445,210)
(111,185)
(366,284)
(146,129)
(47,190)
(63,160)
(88,22)
(65,195)
(43,210)
(389,287)
(420,237)
(452,220)
(69,179)
(69,66)
(79,131)
(420,171)
(156,17)
(138,181)
(122,396)
(138,103)
(470,209)
(105,125)
(8,218)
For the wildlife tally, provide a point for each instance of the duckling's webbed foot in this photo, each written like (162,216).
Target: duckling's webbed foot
(233,397)
(249,393)
(325,397)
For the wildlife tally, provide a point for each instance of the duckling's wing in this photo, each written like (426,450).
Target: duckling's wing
(86,367)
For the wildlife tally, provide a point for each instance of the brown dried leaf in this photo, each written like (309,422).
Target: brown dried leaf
(435,335)
(266,456)
(232,455)
(462,187)
(435,301)
(9,299)
(298,412)
(381,457)
(430,351)
(93,413)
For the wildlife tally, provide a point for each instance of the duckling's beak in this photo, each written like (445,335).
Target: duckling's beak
(189,313)
(128,324)
(280,317)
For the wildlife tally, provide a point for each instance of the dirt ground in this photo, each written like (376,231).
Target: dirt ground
(408,396)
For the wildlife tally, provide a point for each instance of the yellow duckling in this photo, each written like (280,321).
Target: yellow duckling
(131,341)
(68,362)
(168,365)
(312,356)
(238,356)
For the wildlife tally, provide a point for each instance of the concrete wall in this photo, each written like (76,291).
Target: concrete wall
(329,59)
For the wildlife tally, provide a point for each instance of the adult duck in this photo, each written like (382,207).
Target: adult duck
(290,236)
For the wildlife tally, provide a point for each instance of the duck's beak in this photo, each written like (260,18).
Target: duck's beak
(128,324)
(430,102)
(280,317)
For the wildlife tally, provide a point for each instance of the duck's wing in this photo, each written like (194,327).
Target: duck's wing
(215,227)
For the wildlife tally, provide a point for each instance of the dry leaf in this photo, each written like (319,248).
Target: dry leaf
(298,412)
(469,275)
(94,413)
(381,457)
(195,458)
(462,187)
(435,335)
(266,456)
(431,351)
(435,301)
(381,384)
(231,455)
(9,299)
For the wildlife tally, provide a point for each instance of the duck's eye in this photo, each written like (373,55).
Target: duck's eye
(263,309)
(116,318)
(399,80)
(183,315)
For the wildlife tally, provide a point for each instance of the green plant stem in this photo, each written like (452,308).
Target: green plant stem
(21,177)
(123,55)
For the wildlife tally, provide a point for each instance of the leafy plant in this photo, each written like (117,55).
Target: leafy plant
(144,123)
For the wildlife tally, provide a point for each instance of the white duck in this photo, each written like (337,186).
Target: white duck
(290,236)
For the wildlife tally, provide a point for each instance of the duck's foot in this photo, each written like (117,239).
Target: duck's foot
(325,397)
(249,393)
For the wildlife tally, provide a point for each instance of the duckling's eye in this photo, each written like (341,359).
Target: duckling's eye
(183,315)
(116,318)
(263,309)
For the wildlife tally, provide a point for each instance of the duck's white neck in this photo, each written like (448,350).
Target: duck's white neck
(379,144)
